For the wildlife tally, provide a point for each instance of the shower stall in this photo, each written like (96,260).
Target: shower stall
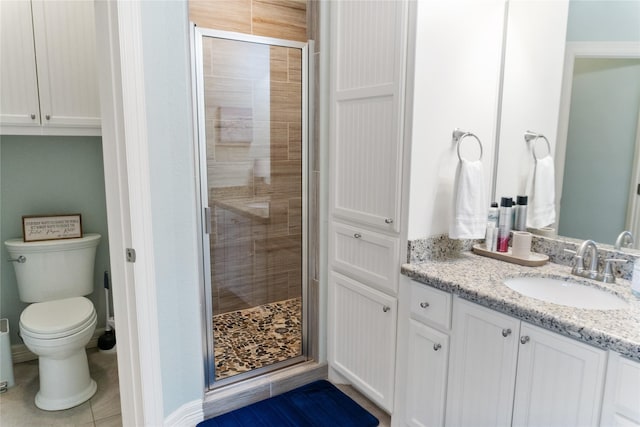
(251,104)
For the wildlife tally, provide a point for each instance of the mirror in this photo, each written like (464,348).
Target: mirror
(596,158)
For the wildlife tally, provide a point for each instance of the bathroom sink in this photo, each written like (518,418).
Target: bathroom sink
(564,292)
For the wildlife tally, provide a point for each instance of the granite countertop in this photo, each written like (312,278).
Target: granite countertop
(479,279)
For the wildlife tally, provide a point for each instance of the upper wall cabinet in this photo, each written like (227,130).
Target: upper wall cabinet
(368,43)
(48,72)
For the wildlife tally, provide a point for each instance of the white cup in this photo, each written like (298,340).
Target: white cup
(521,244)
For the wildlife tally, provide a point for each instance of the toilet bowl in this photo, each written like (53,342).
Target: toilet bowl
(54,276)
(57,332)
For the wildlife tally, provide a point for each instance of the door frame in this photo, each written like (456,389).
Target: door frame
(128,197)
(198,33)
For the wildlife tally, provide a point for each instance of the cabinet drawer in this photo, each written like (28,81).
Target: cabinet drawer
(430,305)
(370,257)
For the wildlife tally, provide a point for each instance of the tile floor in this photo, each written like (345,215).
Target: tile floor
(383,417)
(102,410)
(256,337)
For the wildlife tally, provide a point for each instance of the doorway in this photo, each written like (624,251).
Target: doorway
(252,143)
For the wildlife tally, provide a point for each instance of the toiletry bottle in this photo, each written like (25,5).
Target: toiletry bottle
(635,279)
(494,214)
(504,226)
(493,219)
(520,223)
(488,240)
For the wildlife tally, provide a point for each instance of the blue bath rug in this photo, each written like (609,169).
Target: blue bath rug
(319,404)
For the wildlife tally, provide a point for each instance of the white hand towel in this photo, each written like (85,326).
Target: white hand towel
(469,218)
(541,188)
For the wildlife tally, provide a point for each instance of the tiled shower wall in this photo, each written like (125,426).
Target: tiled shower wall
(274,258)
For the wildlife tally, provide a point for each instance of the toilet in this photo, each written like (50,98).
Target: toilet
(54,276)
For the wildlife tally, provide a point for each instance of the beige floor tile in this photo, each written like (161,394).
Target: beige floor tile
(104,370)
(383,417)
(17,407)
(114,421)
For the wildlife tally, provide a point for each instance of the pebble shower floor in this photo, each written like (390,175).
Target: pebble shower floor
(256,337)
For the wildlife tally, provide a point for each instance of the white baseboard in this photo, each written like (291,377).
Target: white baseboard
(20,353)
(188,415)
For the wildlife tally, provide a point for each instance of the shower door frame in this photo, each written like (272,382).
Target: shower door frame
(198,34)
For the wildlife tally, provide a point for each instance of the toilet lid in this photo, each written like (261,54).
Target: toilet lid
(58,318)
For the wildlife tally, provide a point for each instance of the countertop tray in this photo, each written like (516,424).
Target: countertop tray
(534,259)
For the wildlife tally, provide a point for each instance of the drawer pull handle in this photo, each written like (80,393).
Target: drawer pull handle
(437,347)
(388,220)
(357,235)
(48,117)
(506,332)
(386,308)
(525,339)
(424,304)
(33,116)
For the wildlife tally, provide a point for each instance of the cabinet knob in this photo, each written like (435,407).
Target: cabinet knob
(437,347)
(33,116)
(388,220)
(386,308)
(424,304)
(506,332)
(48,117)
(357,235)
(525,339)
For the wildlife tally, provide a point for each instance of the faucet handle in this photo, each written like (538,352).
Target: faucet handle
(607,274)
(578,267)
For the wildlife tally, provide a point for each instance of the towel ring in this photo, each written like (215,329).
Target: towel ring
(459,136)
(533,137)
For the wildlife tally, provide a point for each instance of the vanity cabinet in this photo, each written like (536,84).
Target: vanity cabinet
(48,70)
(427,356)
(559,380)
(621,402)
(482,371)
(504,371)
(362,324)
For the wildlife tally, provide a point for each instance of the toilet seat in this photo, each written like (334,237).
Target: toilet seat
(58,318)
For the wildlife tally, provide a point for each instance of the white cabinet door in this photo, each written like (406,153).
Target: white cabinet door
(48,70)
(66,57)
(621,403)
(362,337)
(370,257)
(18,79)
(427,376)
(559,380)
(368,57)
(482,370)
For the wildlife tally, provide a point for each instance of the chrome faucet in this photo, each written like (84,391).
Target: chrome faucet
(579,269)
(624,239)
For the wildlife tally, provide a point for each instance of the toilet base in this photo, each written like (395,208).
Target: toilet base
(64,382)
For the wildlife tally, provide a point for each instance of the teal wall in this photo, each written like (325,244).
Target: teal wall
(166,57)
(605,102)
(602,123)
(604,20)
(50,175)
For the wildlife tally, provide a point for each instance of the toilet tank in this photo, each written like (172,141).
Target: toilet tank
(54,269)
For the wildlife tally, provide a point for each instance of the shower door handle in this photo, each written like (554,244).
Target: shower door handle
(207,220)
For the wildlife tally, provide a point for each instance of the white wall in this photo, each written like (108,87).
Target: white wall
(173,196)
(532,85)
(457,76)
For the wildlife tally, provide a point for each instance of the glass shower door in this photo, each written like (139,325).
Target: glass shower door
(251,120)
